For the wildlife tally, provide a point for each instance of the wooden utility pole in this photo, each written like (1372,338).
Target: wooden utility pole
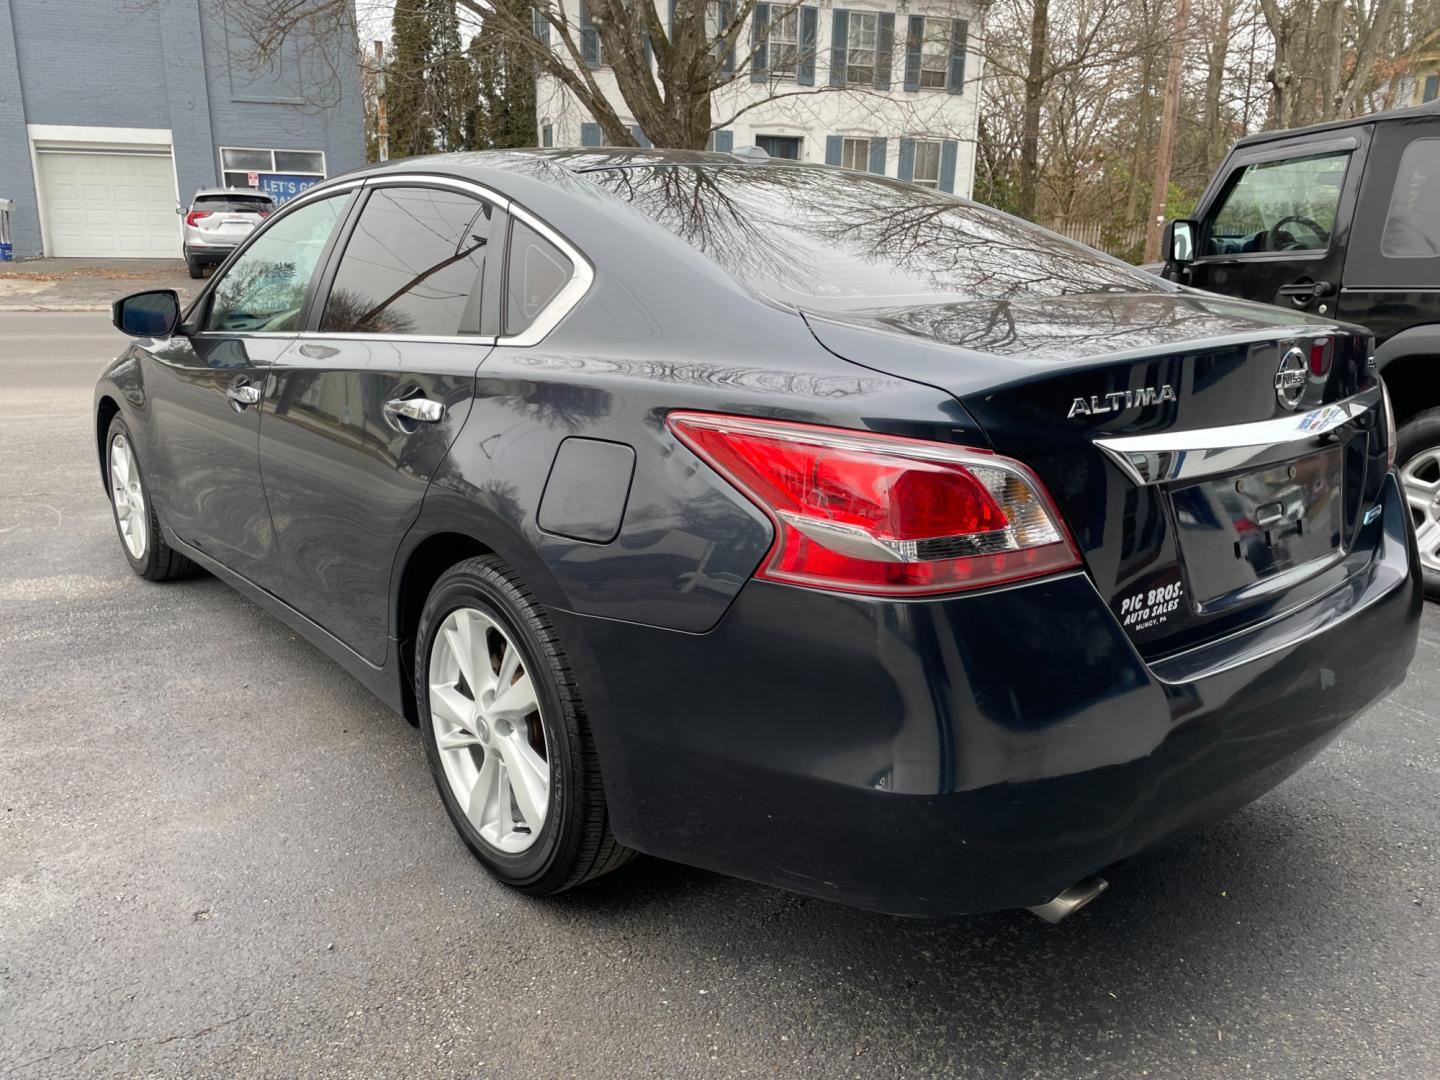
(382,127)
(1169,118)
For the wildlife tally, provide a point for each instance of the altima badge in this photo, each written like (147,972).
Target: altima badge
(1290,378)
(1121,399)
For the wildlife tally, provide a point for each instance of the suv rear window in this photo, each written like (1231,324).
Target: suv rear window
(233,204)
(1412,224)
(831,241)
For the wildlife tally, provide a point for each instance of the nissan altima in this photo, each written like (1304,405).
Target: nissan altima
(797,523)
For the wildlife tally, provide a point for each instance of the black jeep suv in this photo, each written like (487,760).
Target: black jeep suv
(1343,220)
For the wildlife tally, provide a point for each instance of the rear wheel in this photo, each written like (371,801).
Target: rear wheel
(1418,456)
(506,733)
(197,270)
(135,520)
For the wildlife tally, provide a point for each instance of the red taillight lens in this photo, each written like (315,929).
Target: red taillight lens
(195,215)
(1321,353)
(264,213)
(859,512)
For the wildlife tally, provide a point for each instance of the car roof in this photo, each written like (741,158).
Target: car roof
(1414,112)
(253,193)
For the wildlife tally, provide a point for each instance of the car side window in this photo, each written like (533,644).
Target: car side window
(415,264)
(264,289)
(1412,222)
(1286,205)
(536,272)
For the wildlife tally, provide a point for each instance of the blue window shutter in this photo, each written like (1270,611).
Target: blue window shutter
(1432,87)
(958,33)
(547,136)
(724,140)
(589,134)
(640,137)
(884,49)
(832,149)
(913,42)
(949,150)
(877,156)
(672,20)
(727,13)
(907,160)
(760,43)
(809,31)
(839,44)
(589,38)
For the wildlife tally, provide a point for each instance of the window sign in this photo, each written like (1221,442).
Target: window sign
(283,186)
(281,174)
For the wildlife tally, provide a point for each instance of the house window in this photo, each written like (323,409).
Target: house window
(282,174)
(861,46)
(935,54)
(927,164)
(785,44)
(855,154)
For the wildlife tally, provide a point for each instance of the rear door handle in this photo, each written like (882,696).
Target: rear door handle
(1310,289)
(420,409)
(243,393)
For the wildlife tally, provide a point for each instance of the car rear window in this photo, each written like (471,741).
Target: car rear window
(231,204)
(822,239)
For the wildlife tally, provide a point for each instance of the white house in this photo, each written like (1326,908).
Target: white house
(886,86)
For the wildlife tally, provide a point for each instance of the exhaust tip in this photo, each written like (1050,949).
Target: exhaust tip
(1070,900)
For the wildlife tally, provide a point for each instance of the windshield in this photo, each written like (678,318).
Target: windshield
(821,239)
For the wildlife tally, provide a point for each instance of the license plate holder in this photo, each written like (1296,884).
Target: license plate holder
(1241,530)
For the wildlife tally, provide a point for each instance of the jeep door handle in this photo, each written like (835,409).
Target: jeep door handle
(243,393)
(1311,289)
(415,408)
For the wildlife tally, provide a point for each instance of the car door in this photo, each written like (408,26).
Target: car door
(207,384)
(1275,225)
(364,409)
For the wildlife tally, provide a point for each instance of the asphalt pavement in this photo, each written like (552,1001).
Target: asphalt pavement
(219,857)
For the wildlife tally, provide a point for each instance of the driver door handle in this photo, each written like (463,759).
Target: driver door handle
(1311,289)
(415,408)
(243,393)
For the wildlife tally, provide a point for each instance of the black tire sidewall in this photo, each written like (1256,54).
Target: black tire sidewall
(485,590)
(146,566)
(1420,432)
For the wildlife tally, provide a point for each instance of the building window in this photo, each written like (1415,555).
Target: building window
(861,46)
(780,146)
(282,174)
(547,135)
(784,54)
(935,54)
(855,154)
(927,164)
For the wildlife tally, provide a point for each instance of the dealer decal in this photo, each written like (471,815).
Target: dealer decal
(1151,607)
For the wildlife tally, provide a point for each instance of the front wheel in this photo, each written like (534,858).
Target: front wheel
(506,733)
(1417,452)
(135,519)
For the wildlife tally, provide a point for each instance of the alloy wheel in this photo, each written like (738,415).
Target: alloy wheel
(131,511)
(1421,478)
(489,730)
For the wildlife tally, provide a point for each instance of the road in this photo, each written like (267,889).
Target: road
(220,858)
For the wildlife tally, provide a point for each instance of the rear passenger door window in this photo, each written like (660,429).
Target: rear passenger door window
(414,265)
(536,273)
(1412,221)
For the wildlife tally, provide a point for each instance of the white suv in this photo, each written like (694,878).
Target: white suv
(218,219)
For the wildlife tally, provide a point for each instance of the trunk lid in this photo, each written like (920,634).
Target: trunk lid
(1203,498)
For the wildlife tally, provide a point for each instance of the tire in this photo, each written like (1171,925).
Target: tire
(141,539)
(1417,453)
(197,271)
(481,609)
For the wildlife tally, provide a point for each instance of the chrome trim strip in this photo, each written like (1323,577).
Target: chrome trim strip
(1191,455)
(436,339)
(470,187)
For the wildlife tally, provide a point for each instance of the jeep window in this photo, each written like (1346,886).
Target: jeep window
(1412,224)
(1287,205)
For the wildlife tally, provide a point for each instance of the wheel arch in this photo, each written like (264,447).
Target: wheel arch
(1410,364)
(106,409)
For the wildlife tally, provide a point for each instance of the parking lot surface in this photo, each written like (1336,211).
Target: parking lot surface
(219,857)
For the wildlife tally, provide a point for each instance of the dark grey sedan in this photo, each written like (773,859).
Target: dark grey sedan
(798,523)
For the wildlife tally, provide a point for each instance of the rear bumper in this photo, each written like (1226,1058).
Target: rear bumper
(983,752)
(207,253)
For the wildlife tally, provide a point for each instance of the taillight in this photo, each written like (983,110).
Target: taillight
(879,514)
(264,213)
(195,215)
(1321,352)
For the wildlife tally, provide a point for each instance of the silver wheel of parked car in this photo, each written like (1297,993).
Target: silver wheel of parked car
(131,511)
(1421,477)
(489,730)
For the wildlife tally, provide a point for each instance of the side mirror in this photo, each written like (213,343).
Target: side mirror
(154,314)
(1178,242)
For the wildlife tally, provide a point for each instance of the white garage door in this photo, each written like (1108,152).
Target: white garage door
(114,205)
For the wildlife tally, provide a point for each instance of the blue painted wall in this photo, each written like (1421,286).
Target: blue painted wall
(178,65)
